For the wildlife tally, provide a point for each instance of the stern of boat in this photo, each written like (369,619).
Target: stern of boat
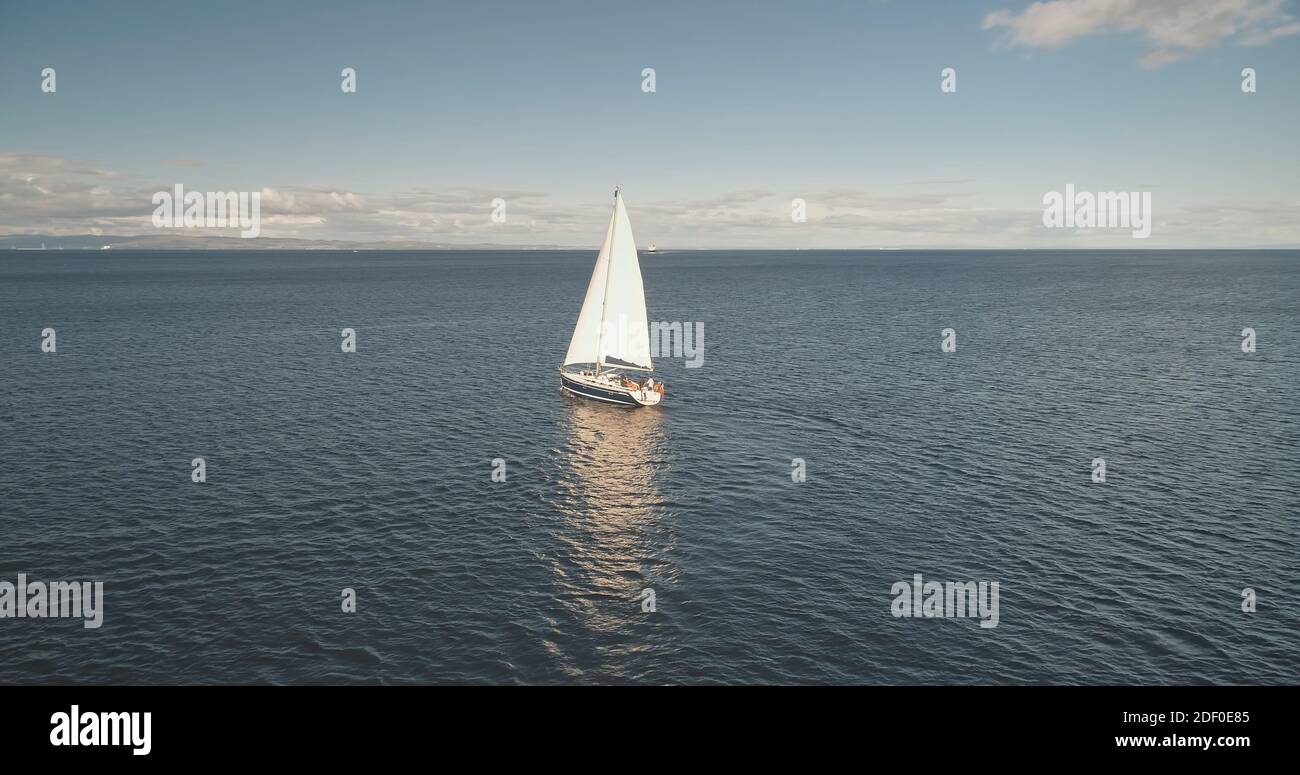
(646,397)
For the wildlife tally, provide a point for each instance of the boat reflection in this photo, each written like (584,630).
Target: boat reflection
(617,527)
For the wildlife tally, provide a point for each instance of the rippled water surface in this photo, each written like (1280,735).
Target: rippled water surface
(372,470)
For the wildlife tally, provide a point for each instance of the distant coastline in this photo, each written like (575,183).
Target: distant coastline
(172,242)
(200,242)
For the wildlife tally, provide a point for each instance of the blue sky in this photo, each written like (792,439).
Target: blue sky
(756,103)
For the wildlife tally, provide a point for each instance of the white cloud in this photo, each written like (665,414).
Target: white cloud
(55,196)
(52,195)
(1173,29)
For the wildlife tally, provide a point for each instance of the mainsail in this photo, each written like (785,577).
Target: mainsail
(612,327)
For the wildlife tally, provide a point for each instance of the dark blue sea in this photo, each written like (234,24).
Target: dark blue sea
(373,470)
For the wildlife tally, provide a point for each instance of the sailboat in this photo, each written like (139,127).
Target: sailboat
(612,336)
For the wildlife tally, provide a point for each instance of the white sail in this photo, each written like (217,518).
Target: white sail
(612,327)
(583,345)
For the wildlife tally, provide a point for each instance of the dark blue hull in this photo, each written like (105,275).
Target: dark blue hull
(595,393)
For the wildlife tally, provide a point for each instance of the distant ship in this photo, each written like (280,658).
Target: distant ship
(651,248)
(613,332)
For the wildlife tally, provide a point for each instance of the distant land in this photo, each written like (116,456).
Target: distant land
(207,242)
(173,241)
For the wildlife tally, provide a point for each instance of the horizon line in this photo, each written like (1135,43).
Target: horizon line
(554,249)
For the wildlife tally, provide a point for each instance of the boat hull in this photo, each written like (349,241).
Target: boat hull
(608,394)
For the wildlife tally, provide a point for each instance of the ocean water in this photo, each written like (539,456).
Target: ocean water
(372,470)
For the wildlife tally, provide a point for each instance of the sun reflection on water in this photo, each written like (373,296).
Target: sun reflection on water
(617,530)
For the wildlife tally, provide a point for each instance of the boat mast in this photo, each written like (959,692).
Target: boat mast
(609,270)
